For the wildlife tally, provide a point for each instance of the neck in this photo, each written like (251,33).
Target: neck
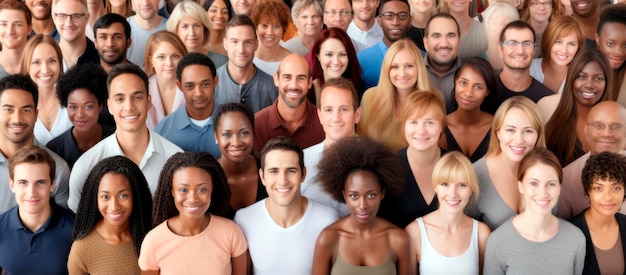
(12,59)
(216,37)
(148,24)
(286,216)
(423,159)
(118,233)
(516,80)
(308,41)
(419,20)
(43,26)
(464,117)
(505,162)
(441,70)
(241,75)
(292,115)
(364,25)
(189,227)
(200,114)
(134,142)
(538,225)
(236,168)
(268,54)
(8,148)
(107,67)
(600,222)
(35,221)
(166,85)
(448,221)
(120,10)
(539,27)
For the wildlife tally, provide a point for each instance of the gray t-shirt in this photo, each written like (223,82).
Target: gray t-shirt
(257,93)
(139,37)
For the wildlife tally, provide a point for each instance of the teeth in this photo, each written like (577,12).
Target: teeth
(129,117)
(588,95)
(283,190)
(542,202)
(190,208)
(517,149)
(453,202)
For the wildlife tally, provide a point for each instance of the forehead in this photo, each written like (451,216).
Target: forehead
(395,6)
(127,83)
(442,25)
(113,28)
(335,96)
(337,4)
(30,170)
(604,113)
(294,66)
(68,6)
(281,158)
(195,72)
(11,12)
(518,34)
(241,32)
(12,96)
(613,29)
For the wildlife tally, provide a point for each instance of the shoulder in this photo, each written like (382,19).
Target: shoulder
(329,236)
(250,214)
(322,213)
(264,113)
(570,230)
(164,145)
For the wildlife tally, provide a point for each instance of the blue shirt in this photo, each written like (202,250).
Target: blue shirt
(178,128)
(371,59)
(43,252)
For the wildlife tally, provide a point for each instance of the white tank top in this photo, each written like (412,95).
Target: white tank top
(432,262)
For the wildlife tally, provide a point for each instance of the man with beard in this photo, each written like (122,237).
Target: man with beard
(394,18)
(112,34)
(291,115)
(41,15)
(517,48)
(71,17)
(364,28)
(587,13)
(442,39)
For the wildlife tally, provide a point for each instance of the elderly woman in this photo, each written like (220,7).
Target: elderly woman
(307,15)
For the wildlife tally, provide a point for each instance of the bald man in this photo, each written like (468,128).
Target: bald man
(290,115)
(604,132)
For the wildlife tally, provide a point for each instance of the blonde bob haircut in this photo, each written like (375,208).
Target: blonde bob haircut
(454,166)
(31,46)
(154,41)
(188,9)
(527,106)
(421,102)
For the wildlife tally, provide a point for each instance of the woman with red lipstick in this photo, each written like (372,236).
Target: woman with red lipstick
(468,128)
(589,81)
(515,130)
(535,241)
(234,134)
(604,179)
(113,218)
(191,235)
(360,172)
(448,241)
(271,19)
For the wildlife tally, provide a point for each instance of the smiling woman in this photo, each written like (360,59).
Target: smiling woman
(271,21)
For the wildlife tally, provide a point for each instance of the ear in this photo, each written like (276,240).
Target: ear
(129,41)
(303,174)
(149,102)
(500,52)
(11,185)
(319,114)
(215,81)
(520,186)
(54,183)
(179,85)
(262,176)
(357,115)
(276,79)
(597,36)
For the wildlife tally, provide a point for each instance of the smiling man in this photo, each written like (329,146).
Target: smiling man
(71,17)
(144,23)
(587,13)
(41,14)
(112,33)
(364,28)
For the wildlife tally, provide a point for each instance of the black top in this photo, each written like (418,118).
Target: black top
(480,151)
(261,193)
(65,144)
(535,91)
(90,55)
(591,262)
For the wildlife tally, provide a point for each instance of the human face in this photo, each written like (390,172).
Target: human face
(45,66)
(191,188)
(234,136)
(70,30)
(470,90)
(333,58)
(395,28)
(421,6)
(442,43)
(458,6)
(112,44)
(363,195)
(613,44)
(40,9)
(282,177)
(423,133)
(365,10)
(270,33)
(453,195)
(118,4)
(129,102)
(589,85)
(243,6)
(198,86)
(18,116)
(517,58)
(584,8)
(14,30)
(540,188)
(403,71)
(115,199)
(32,186)
(609,115)
(165,58)
(83,109)
(240,44)
(309,22)
(191,32)
(606,196)
(337,114)
(146,9)
(517,135)
(540,10)
(218,15)
(337,14)
(293,81)
(564,49)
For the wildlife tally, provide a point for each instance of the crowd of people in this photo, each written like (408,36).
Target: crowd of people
(312,137)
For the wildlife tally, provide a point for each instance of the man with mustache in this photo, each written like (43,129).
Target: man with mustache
(112,34)
(291,115)
(517,49)
(442,39)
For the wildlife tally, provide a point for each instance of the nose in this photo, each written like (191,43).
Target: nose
(108,41)
(363,205)
(395,21)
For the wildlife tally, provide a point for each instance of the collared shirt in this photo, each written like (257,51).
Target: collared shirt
(258,93)
(268,124)
(44,251)
(158,151)
(178,128)
(367,38)
(371,59)
(445,83)
(54,34)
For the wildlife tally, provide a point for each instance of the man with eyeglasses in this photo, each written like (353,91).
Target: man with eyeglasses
(517,49)
(364,29)
(71,17)
(394,18)
(337,14)
(587,13)
(604,133)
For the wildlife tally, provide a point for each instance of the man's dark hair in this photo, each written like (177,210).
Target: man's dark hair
(518,25)
(285,144)
(442,15)
(241,20)
(107,20)
(127,68)
(194,59)
(22,82)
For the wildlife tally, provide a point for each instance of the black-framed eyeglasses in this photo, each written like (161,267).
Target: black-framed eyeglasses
(390,15)
(75,17)
(512,44)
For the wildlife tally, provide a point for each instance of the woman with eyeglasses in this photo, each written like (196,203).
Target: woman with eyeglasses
(307,15)
(473,33)
(538,13)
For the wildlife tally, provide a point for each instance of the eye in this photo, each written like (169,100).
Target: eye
(371,195)
(480,87)
(104,197)
(72,107)
(610,44)
(89,107)
(444,184)
(206,84)
(529,131)
(123,196)
(509,130)
(534,183)
(353,196)
(226,135)
(245,133)
(202,190)
(617,188)
(328,54)
(599,78)
(558,42)
(581,77)
(463,83)
(182,190)
(597,188)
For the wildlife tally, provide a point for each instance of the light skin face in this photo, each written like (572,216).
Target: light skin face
(585,8)
(395,28)
(443,42)
(191,32)
(198,86)
(293,80)
(191,189)
(14,30)
(564,49)
(589,85)
(32,185)
(363,195)
(269,33)
(112,44)
(309,22)
(453,195)
(612,43)
(337,114)
(40,9)
(333,58)
(365,10)
(70,30)
(282,177)
(337,13)
(83,109)
(235,136)
(240,43)
(606,114)
(458,6)
(115,199)
(540,13)
(218,15)
(470,90)
(606,196)
(421,6)
(146,9)
(540,189)
(18,116)
(423,133)
(517,58)
(243,6)
(164,59)
(403,71)
(517,135)
(129,102)
(45,66)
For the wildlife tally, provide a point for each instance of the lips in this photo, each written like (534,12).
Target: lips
(517,149)
(282,190)
(588,95)
(17,128)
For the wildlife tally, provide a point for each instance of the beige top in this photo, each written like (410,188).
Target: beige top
(391,134)
(93,255)
(547,105)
